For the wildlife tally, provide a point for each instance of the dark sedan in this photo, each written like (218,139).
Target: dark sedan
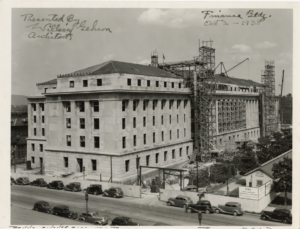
(39,182)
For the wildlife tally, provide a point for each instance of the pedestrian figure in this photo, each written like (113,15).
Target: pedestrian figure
(200,217)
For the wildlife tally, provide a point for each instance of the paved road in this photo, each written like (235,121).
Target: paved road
(145,215)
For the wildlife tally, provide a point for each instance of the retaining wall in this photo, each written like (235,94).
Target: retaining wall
(128,190)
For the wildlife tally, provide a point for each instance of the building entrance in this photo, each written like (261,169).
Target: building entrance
(79,165)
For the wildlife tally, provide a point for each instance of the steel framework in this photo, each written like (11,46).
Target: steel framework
(268,82)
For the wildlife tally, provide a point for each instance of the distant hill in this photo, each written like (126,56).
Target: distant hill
(19,100)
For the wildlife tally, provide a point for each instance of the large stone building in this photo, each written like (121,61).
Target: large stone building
(104,117)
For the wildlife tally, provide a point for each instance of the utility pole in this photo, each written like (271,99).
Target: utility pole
(87,199)
(137,169)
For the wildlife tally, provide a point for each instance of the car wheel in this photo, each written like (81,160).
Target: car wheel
(263,218)
(184,206)
(284,221)
(235,213)
(189,210)
(95,193)
(73,190)
(115,196)
(169,204)
(98,223)
(217,211)
(55,213)
(81,219)
(69,216)
(48,212)
(207,211)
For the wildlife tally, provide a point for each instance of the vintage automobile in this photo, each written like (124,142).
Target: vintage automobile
(123,221)
(42,206)
(39,182)
(233,208)
(93,217)
(95,189)
(63,210)
(114,192)
(73,186)
(180,201)
(22,181)
(56,184)
(202,205)
(12,181)
(282,215)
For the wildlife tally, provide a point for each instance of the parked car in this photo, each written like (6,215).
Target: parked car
(180,201)
(12,181)
(56,184)
(63,210)
(233,208)
(73,186)
(42,206)
(283,215)
(39,182)
(202,205)
(123,221)
(93,217)
(95,189)
(114,192)
(22,181)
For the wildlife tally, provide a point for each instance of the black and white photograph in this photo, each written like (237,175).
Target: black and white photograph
(155,115)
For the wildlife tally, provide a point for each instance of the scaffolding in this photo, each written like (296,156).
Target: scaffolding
(268,97)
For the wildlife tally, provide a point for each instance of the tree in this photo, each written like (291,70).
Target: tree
(203,177)
(221,173)
(283,176)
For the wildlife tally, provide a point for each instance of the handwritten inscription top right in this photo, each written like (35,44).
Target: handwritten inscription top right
(250,18)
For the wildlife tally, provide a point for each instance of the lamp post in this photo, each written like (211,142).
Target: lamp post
(87,199)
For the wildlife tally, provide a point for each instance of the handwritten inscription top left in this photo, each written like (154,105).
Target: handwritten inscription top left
(59,26)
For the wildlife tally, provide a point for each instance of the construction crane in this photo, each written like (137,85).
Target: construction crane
(280,101)
(223,66)
(236,65)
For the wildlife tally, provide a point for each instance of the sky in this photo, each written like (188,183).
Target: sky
(130,35)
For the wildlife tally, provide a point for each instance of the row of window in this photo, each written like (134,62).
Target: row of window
(154,104)
(127,162)
(33,147)
(153,138)
(35,131)
(82,141)
(42,106)
(94,163)
(33,160)
(43,119)
(253,134)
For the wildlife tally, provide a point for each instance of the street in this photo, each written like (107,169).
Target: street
(24,197)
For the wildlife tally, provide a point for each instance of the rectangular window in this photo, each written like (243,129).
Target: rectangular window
(177,118)
(173,154)
(134,140)
(145,139)
(134,122)
(34,131)
(34,119)
(148,83)
(97,142)
(66,162)
(43,119)
(259,183)
(162,136)
(135,104)
(124,142)
(41,147)
(68,121)
(144,121)
(172,84)
(145,104)
(156,157)
(124,104)
(123,123)
(153,137)
(171,104)
(170,134)
(82,123)
(99,82)
(178,103)
(157,83)
(84,83)
(94,165)
(179,85)
(139,82)
(154,104)
(148,160)
(68,106)
(80,106)
(165,155)
(32,160)
(96,106)
(185,103)
(165,84)
(129,82)
(127,165)
(32,147)
(82,141)
(153,120)
(177,133)
(180,152)
(42,106)
(170,119)
(68,140)
(187,150)
(33,107)
(96,123)
(184,133)
(162,120)
(71,83)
